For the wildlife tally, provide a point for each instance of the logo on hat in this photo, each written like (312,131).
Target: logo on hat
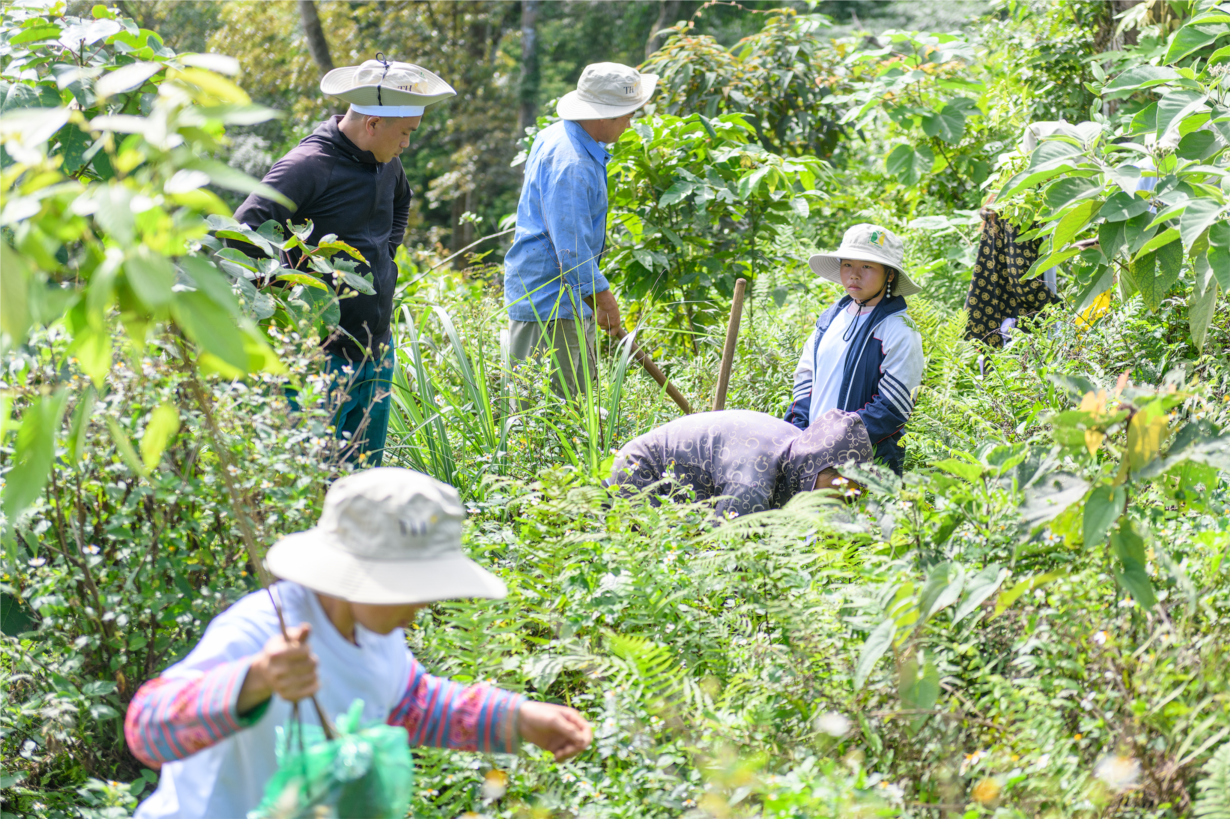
(877,237)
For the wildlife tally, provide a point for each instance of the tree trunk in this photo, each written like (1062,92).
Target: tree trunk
(318,46)
(528,92)
(667,11)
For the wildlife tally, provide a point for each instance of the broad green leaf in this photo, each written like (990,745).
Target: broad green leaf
(1141,76)
(1219,263)
(1066,191)
(227,177)
(331,245)
(1128,546)
(1176,105)
(962,469)
(877,643)
(1009,597)
(303,279)
(210,281)
(983,585)
(1121,206)
(359,283)
(93,350)
(150,276)
(944,584)
(36,33)
(1160,240)
(34,448)
(1191,38)
(919,688)
(211,327)
(1102,509)
(1045,500)
(1073,223)
(909,164)
(1194,145)
(948,124)
(1200,311)
(1199,214)
(675,193)
(125,78)
(162,425)
(14,294)
(1155,273)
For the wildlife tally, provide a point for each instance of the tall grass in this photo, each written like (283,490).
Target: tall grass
(457,400)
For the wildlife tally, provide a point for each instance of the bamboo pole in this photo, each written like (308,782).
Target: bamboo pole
(728,352)
(645,361)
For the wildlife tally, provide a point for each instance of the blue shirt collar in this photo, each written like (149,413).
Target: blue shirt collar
(592,146)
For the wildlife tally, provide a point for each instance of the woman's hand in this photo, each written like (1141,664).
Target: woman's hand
(285,666)
(556,728)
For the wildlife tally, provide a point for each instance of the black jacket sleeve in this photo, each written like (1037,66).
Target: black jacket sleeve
(300,176)
(401,213)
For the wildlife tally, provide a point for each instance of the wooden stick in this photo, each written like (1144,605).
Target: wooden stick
(645,361)
(728,352)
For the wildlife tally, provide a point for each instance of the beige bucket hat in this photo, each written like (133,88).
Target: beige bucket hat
(606,90)
(387,536)
(867,243)
(380,88)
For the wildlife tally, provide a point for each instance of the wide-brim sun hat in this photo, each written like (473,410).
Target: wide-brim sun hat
(387,536)
(389,89)
(606,90)
(867,243)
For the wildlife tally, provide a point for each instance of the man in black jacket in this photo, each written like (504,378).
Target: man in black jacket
(347,179)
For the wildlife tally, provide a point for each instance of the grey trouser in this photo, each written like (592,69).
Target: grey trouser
(559,339)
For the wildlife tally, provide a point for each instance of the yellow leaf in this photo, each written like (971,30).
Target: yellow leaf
(1094,402)
(1145,433)
(1089,316)
(1093,440)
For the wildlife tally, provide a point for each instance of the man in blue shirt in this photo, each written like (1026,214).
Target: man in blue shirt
(553,287)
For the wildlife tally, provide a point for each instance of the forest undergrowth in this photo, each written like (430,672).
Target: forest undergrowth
(1032,621)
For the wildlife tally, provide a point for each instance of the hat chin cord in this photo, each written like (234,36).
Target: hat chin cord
(852,330)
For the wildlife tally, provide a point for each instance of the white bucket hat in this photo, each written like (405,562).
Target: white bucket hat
(606,90)
(379,88)
(867,243)
(387,536)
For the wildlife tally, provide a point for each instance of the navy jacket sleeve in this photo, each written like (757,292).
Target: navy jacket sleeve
(900,374)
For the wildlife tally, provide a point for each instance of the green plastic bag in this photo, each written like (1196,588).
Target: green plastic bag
(363,773)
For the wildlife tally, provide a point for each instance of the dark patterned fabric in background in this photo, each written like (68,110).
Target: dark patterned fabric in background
(996,291)
(752,460)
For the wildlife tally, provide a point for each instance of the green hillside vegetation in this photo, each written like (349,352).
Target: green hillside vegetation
(1033,621)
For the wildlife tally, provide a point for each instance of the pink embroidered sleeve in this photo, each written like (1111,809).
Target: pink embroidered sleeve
(441,713)
(173,718)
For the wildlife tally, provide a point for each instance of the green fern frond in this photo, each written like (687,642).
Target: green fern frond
(1214,789)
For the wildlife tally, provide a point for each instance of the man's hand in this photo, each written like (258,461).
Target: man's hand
(285,667)
(556,728)
(606,311)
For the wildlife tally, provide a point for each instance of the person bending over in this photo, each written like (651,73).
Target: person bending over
(864,356)
(750,461)
(388,543)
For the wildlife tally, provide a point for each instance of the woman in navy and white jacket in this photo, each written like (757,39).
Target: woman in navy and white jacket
(864,355)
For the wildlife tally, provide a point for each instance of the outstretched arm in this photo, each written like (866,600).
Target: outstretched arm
(439,712)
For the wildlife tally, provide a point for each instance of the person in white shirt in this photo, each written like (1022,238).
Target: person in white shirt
(387,544)
(865,356)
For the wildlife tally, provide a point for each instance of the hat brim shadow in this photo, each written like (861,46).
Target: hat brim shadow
(828,267)
(313,559)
